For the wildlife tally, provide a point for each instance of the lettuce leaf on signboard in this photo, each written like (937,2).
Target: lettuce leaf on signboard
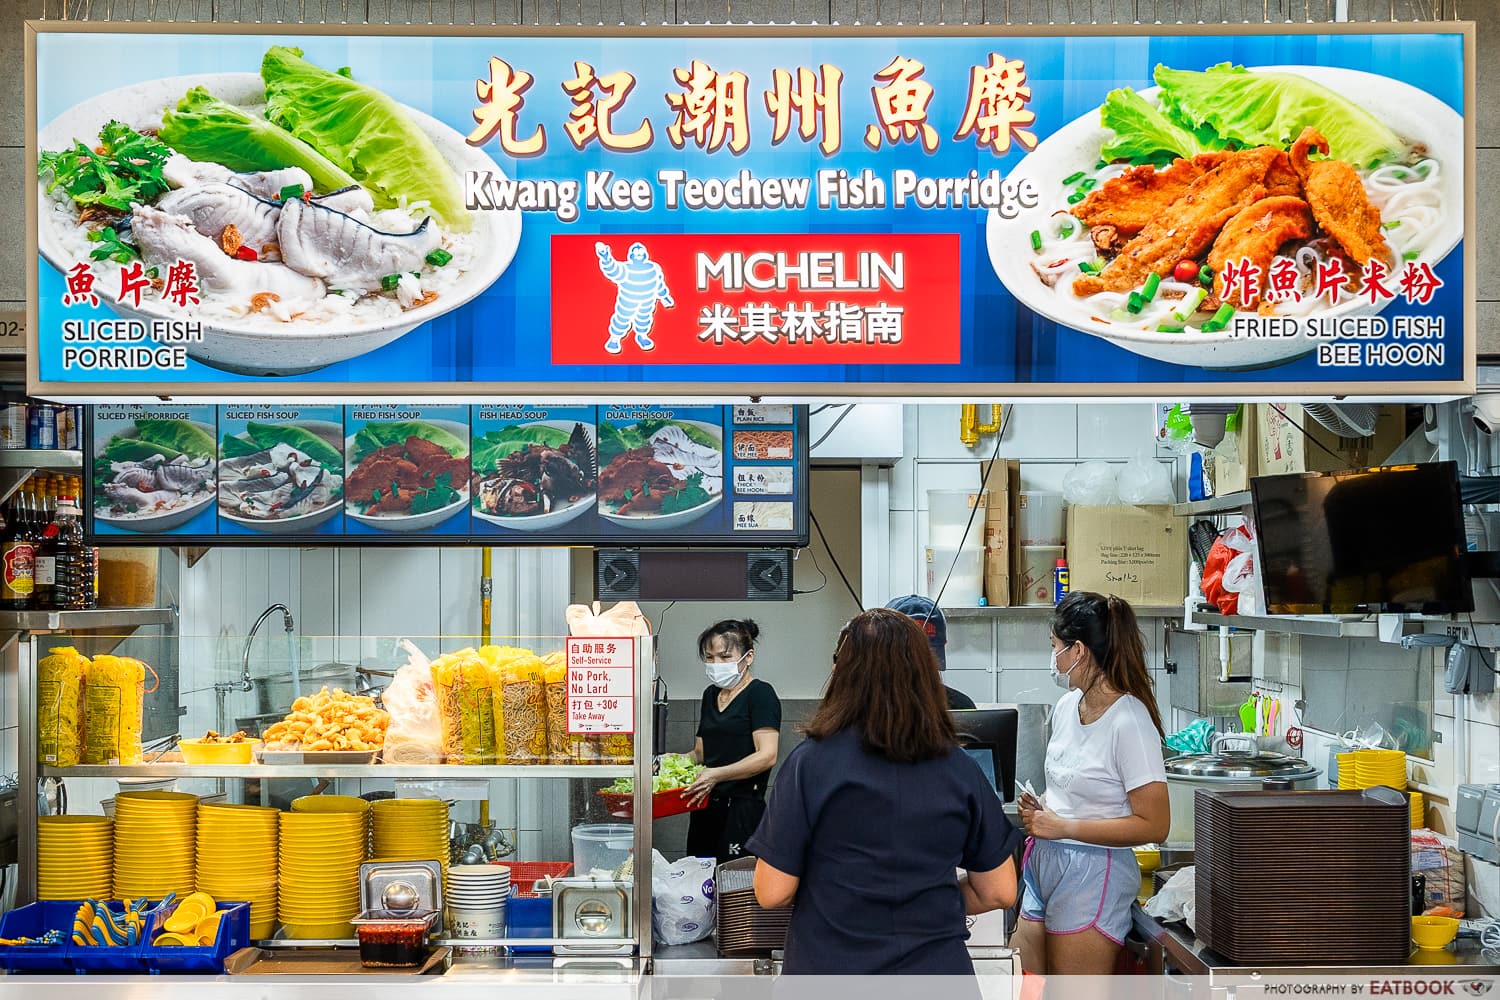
(1272,109)
(364,131)
(207,129)
(498,444)
(1142,132)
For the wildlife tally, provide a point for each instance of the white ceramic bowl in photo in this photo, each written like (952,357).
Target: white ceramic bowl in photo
(553,518)
(162,520)
(1416,116)
(678,519)
(259,348)
(333,434)
(410,522)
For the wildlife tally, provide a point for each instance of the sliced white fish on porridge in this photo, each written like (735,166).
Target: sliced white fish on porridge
(211,208)
(181,172)
(346,252)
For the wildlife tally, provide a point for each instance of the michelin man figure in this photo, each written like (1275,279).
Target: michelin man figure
(641,288)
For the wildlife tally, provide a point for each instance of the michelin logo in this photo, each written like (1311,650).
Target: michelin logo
(641,286)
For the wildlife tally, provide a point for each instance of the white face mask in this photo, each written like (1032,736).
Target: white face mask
(724,675)
(1061,677)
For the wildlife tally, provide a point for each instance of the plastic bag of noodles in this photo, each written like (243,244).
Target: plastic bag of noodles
(520,698)
(114,695)
(59,706)
(465,696)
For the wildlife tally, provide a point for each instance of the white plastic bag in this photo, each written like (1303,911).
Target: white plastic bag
(624,619)
(1178,899)
(1091,484)
(415,733)
(682,899)
(1241,575)
(1144,480)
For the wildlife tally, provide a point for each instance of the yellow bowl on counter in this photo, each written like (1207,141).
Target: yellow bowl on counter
(1433,933)
(330,804)
(197,751)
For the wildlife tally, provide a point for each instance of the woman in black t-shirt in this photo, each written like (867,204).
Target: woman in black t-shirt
(738,734)
(873,815)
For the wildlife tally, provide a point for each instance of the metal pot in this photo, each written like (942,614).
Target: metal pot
(1226,769)
(274,694)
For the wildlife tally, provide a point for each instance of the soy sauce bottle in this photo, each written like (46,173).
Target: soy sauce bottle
(17,564)
(74,560)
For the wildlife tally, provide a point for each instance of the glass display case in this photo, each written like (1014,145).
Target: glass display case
(512,741)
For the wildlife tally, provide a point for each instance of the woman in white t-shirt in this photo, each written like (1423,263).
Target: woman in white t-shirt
(1106,793)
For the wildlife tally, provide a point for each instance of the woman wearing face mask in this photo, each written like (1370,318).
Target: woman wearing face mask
(738,734)
(1106,792)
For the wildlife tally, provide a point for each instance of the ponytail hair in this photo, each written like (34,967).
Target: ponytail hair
(1107,627)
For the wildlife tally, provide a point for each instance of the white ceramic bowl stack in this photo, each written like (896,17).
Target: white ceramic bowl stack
(476,896)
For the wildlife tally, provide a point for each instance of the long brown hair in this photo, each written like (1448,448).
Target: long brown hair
(886,685)
(1107,628)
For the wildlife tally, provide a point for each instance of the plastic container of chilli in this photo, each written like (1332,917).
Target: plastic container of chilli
(233,934)
(621,805)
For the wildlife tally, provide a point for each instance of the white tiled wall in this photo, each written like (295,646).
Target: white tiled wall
(1005,660)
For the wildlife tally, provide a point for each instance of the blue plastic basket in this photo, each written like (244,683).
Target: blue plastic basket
(234,934)
(529,916)
(111,958)
(34,920)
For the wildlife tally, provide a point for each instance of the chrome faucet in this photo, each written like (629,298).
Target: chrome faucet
(287,623)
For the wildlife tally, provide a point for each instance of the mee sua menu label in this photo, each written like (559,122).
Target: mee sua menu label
(793,212)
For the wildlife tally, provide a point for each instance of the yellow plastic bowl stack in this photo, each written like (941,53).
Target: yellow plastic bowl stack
(1348,771)
(154,843)
(237,860)
(411,830)
(75,857)
(1373,768)
(1418,810)
(324,840)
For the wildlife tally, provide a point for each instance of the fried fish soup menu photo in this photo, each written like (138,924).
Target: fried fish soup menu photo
(526,216)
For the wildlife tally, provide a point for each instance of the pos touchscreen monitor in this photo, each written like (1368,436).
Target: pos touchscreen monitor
(993,729)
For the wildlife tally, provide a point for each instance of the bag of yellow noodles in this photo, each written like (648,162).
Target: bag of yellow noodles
(59,706)
(520,704)
(114,693)
(560,745)
(466,707)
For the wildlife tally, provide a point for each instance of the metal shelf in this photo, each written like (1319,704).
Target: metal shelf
(420,772)
(17,465)
(1229,503)
(1327,627)
(93,620)
(1039,610)
(32,458)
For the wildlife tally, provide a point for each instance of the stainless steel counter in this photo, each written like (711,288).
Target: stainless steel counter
(1173,948)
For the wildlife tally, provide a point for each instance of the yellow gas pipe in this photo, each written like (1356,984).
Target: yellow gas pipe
(969,427)
(486,595)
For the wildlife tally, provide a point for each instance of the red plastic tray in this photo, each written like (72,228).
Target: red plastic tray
(621,805)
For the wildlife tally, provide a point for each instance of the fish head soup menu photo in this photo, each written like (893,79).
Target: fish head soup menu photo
(512,214)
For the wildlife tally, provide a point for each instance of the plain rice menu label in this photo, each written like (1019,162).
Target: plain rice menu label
(601,685)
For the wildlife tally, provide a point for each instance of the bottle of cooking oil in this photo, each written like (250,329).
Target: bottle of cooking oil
(74,590)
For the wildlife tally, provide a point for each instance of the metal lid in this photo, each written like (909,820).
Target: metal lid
(402,886)
(1239,766)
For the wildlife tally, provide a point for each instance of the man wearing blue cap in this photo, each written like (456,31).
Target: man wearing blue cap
(930,617)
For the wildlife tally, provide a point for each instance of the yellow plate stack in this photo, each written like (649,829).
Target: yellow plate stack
(1418,810)
(237,860)
(411,830)
(75,857)
(1378,767)
(154,843)
(324,840)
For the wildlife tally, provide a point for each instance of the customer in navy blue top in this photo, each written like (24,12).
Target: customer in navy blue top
(873,813)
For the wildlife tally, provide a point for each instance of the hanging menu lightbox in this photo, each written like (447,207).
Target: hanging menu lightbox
(485,474)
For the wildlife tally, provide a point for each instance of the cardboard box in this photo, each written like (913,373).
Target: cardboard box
(1002,478)
(1288,440)
(1138,553)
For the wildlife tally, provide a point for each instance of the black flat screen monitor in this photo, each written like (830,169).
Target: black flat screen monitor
(994,728)
(987,758)
(1367,540)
